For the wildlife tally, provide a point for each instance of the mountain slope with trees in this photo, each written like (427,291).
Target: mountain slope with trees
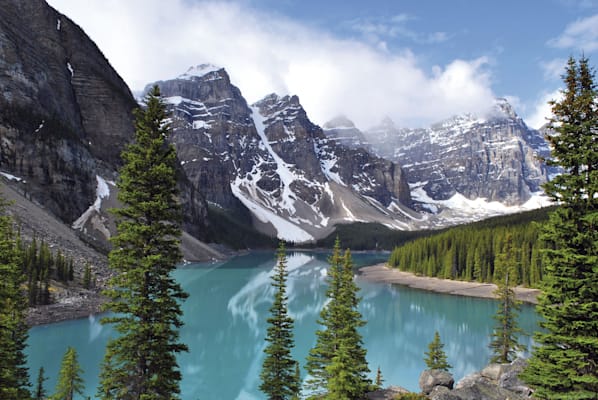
(470,252)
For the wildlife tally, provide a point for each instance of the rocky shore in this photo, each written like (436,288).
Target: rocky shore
(79,303)
(494,382)
(383,274)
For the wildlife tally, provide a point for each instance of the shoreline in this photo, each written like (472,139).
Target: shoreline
(381,273)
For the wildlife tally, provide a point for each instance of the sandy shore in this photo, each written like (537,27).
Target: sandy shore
(384,274)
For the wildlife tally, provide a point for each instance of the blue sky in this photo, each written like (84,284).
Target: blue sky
(416,61)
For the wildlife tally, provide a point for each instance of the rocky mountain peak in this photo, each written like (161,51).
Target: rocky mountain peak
(272,161)
(285,108)
(339,122)
(489,158)
(502,108)
(344,132)
(387,123)
(198,71)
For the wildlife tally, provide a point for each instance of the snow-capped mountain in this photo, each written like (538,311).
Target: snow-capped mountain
(491,158)
(65,116)
(270,158)
(344,132)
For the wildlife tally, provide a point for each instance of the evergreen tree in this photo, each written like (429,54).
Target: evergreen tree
(145,299)
(379,379)
(87,277)
(14,376)
(564,365)
(71,270)
(40,390)
(504,342)
(435,356)
(278,375)
(69,377)
(321,354)
(337,363)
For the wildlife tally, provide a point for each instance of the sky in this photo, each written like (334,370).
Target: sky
(415,61)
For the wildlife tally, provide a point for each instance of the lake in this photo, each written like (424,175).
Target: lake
(225,327)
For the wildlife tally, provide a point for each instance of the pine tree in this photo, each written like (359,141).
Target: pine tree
(40,390)
(69,378)
(504,343)
(564,364)
(71,270)
(279,375)
(144,297)
(14,376)
(337,363)
(379,379)
(87,277)
(435,356)
(321,354)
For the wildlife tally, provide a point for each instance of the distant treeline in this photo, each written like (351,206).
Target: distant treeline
(39,265)
(471,252)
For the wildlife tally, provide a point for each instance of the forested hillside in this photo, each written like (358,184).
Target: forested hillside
(471,252)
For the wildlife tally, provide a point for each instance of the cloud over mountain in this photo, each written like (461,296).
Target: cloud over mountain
(147,40)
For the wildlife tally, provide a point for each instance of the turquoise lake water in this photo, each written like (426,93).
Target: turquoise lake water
(225,327)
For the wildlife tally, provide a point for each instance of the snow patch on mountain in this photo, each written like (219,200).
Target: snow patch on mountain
(475,208)
(102,191)
(282,168)
(285,229)
(199,71)
(328,162)
(11,177)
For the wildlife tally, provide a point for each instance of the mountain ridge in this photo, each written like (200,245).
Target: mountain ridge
(495,157)
(273,160)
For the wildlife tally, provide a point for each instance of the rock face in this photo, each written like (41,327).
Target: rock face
(432,378)
(272,160)
(495,382)
(344,132)
(494,157)
(65,116)
(65,112)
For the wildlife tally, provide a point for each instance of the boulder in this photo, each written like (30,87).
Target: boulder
(480,390)
(494,371)
(510,378)
(469,380)
(389,393)
(430,378)
(441,392)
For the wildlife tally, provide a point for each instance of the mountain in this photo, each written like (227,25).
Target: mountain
(64,109)
(270,159)
(65,116)
(344,132)
(468,161)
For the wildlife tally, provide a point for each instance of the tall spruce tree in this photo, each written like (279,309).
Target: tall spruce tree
(278,375)
(14,376)
(435,356)
(564,364)
(40,390)
(144,297)
(379,379)
(504,343)
(337,363)
(70,381)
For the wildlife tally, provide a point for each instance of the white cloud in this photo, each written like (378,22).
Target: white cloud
(581,34)
(554,68)
(377,29)
(149,40)
(542,111)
